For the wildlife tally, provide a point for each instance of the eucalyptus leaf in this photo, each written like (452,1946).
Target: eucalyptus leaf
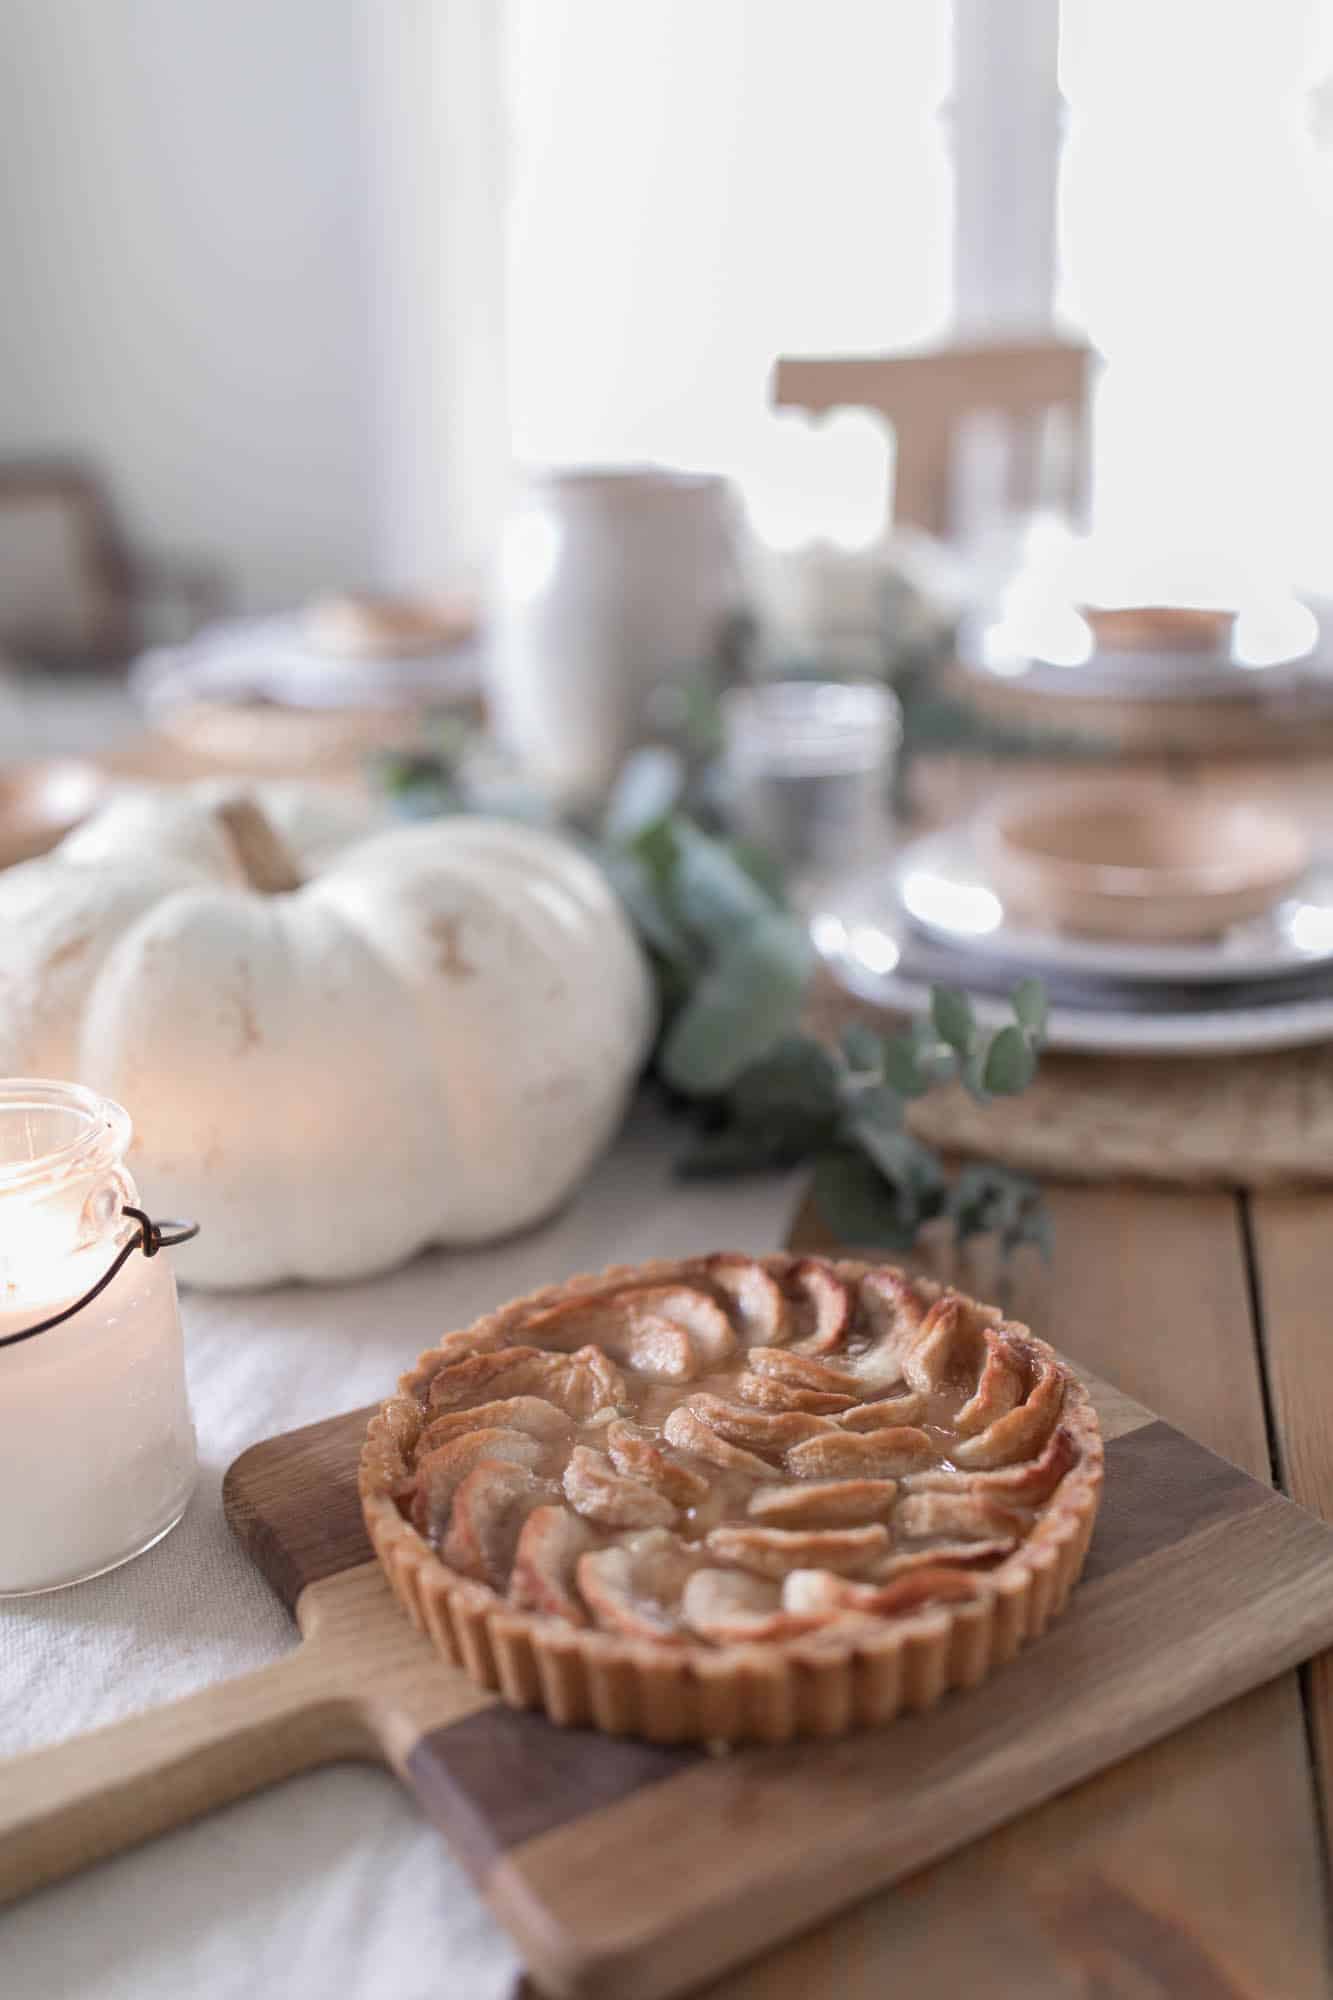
(732,967)
(1011,1063)
(741,1007)
(797,1079)
(862,1049)
(876,1127)
(991,1200)
(859,1206)
(906,1069)
(633,882)
(876,1110)
(715,896)
(1029,1002)
(648,787)
(952,1017)
(739,1149)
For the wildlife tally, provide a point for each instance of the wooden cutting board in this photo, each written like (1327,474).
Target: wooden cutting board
(628,1870)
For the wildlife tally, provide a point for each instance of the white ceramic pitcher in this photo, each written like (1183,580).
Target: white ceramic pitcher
(609,583)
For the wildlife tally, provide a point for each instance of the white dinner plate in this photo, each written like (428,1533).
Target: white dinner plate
(991,651)
(942,885)
(861,957)
(272,659)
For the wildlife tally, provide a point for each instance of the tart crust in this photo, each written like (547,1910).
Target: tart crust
(861,1670)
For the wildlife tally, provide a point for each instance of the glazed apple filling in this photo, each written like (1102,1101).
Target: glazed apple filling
(731,1456)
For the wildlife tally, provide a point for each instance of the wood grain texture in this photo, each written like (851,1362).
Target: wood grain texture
(1293,1248)
(563,1816)
(292,1502)
(777,1838)
(1142,1882)
(627,1871)
(361,1685)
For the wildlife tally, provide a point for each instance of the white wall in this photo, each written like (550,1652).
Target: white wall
(184,271)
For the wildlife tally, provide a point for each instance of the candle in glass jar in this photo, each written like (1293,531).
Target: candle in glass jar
(97,1452)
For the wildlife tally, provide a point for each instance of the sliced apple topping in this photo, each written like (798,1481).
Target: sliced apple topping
(753,1298)
(578,1383)
(950,1347)
(1026,1485)
(1000,1386)
(545,1559)
(726,1456)
(823,1307)
(777,1552)
(1022,1433)
(886,1412)
(637,1452)
(830,1503)
(881,1454)
(957,1517)
(669,1332)
(532,1414)
(735,1608)
(803,1371)
(443,1470)
(768,1392)
(767,1432)
(817,1593)
(953,1555)
(488,1513)
(635,1586)
(894,1310)
(596,1490)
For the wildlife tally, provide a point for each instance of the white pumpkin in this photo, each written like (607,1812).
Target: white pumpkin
(333,1053)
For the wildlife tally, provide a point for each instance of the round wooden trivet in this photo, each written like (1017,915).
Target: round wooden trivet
(1226,1121)
(1239,1121)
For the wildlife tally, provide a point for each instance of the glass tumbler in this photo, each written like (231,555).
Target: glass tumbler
(808,768)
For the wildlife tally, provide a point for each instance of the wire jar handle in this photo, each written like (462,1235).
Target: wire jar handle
(150,1237)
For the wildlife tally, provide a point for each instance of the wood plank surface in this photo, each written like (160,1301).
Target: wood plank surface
(1195,1570)
(1293,1250)
(1143,1882)
(1190,1868)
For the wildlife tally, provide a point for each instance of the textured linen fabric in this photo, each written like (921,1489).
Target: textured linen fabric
(330,1884)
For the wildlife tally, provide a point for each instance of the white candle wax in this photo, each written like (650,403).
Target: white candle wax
(97,1455)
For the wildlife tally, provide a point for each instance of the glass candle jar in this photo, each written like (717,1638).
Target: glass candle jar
(809,771)
(97,1450)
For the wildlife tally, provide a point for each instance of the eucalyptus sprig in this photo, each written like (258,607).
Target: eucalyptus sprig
(734,967)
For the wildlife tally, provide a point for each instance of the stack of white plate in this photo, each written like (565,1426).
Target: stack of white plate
(1269,652)
(936,915)
(279,660)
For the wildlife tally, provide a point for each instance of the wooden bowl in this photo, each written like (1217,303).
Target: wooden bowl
(1159,628)
(40,803)
(1131,864)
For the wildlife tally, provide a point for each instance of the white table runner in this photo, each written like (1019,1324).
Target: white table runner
(331,1884)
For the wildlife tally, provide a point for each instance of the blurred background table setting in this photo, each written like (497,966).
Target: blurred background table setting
(864,541)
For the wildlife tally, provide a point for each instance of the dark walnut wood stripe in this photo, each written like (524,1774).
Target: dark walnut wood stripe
(502,1776)
(292,1503)
(1161,1487)
(738,1851)
(499,1777)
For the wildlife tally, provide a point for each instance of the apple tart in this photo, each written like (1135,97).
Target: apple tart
(734,1498)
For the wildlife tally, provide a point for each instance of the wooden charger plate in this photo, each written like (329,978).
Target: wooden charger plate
(628,1870)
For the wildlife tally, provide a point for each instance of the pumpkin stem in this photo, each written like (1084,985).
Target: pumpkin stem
(263,857)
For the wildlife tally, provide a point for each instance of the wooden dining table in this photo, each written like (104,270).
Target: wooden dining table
(1198,1867)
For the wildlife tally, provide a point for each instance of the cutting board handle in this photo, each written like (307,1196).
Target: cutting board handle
(80,1801)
